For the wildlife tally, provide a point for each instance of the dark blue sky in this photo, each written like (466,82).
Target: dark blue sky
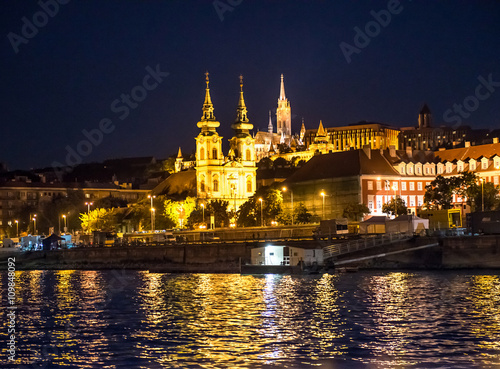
(65,78)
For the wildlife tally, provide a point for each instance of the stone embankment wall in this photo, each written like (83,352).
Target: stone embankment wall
(207,257)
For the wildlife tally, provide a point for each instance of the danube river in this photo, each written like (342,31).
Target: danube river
(134,319)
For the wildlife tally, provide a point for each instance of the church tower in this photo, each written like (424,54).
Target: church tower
(425,117)
(240,171)
(242,143)
(178,161)
(209,156)
(284,113)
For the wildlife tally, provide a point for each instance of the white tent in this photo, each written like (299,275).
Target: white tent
(373,224)
(407,224)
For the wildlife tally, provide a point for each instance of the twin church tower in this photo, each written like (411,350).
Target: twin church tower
(232,177)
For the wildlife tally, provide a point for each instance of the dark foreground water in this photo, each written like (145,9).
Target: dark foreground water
(133,319)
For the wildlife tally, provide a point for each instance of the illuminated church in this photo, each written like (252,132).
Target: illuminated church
(218,177)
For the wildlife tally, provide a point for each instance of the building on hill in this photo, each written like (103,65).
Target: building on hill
(426,136)
(356,136)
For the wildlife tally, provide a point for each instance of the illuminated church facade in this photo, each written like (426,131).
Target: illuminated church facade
(230,178)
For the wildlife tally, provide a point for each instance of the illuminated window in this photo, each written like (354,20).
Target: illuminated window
(379,185)
(202,154)
(419,186)
(202,185)
(484,164)
(248,155)
(216,185)
(412,186)
(370,185)
(472,165)
(249,184)
(214,153)
(403,186)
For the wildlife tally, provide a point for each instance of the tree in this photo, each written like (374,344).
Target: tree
(178,212)
(491,197)
(217,208)
(354,211)
(395,206)
(439,194)
(301,214)
(99,220)
(250,212)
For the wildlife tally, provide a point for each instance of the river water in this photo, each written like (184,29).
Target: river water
(134,319)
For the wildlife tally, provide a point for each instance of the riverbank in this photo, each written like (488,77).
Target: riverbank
(480,252)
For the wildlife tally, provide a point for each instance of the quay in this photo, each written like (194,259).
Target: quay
(478,252)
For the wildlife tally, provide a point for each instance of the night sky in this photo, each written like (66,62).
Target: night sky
(66,77)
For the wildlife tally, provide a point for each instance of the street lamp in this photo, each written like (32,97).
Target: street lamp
(261,213)
(89,204)
(291,195)
(65,224)
(482,194)
(322,194)
(152,213)
(203,212)
(34,224)
(17,227)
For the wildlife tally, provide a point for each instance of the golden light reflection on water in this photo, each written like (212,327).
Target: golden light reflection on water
(105,319)
(236,320)
(484,293)
(389,307)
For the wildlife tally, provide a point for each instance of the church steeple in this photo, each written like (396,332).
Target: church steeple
(242,109)
(282,89)
(241,125)
(321,135)
(208,122)
(270,125)
(283,113)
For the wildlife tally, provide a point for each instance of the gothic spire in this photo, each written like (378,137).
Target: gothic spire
(270,125)
(282,89)
(179,154)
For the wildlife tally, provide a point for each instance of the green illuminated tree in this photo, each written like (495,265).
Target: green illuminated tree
(354,211)
(395,207)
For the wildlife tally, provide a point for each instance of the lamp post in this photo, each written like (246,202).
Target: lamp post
(89,204)
(203,213)
(261,213)
(65,224)
(34,224)
(482,194)
(323,196)
(395,199)
(152,213)
(17,227)
(291,195)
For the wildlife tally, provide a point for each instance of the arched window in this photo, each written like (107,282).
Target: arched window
(216,185)
(248,155)
(202,154)
(214,153)
(202,185)
(249,184)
